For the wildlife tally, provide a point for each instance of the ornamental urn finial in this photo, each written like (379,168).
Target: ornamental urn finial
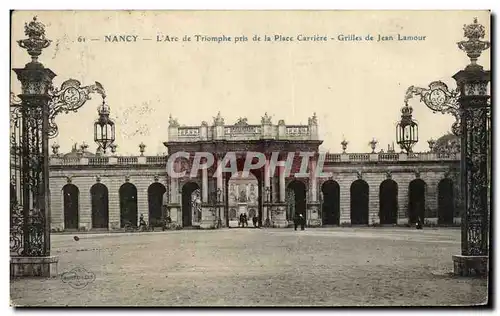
(373,144)
(474,46)
(218,120)
(172,122)
(431,143)
(141,148)
(36,40)
(55,149)
(266,119)
(344,144)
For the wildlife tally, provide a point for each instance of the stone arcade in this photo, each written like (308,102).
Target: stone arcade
(93,192)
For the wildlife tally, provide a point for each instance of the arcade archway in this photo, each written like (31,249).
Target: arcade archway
(243,196)
(359,202)
(296,199)
(128,205)
(446,205)
(155,202)
(416,207)
(388,202)
(70,206)
(100,206)
(331,203)
(191,203)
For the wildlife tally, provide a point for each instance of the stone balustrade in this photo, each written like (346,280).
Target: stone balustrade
(329,158)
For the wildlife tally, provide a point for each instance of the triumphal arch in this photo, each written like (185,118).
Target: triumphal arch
(214,197)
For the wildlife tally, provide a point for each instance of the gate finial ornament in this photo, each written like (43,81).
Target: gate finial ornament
(474,46)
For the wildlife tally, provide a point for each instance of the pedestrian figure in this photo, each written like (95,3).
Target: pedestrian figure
(240,223)
(296,220)
(245,219)
(254,220)
(142,223)
(418,225)
(302,222)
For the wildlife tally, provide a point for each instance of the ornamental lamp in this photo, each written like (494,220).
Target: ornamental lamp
(104,128)
(407,130)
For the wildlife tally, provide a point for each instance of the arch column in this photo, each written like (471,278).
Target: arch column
(313,218)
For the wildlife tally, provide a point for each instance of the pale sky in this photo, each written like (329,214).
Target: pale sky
(356,88)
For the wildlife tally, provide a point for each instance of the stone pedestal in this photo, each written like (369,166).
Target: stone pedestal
(34,266)
(470,265)
(313,219)
(174,211)
(208,218)
(278,215)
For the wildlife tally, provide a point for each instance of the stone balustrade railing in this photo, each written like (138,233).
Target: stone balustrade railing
(243,132)
(329,158)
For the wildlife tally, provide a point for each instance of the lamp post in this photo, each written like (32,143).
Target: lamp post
(32,124)
(104,127)
(407,130)
(268,205)
(469,103)
(219,202)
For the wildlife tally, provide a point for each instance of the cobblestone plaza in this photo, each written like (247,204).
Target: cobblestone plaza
(258,267)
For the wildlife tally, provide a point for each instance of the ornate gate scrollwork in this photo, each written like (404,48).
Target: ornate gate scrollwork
(69,98)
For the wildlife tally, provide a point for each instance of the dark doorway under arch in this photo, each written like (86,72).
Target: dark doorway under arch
(416,207)
(446,202)
(100,206)
(128,205)
(331,203)
(359,202)
(299,195)
(70,205)
(187,211)
(155,202)
(388,202)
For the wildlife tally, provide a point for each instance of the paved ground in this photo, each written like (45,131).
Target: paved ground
(264,267)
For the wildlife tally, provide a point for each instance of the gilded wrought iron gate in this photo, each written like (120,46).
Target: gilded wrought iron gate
(27,203)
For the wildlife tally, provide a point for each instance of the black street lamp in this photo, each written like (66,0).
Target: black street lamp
(407,130)
(219,203)
(104,128)
(469,103)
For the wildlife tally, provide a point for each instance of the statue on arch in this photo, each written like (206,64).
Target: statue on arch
(243,196)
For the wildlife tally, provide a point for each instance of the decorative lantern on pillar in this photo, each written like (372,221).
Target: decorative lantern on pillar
(407,130)
(104,127)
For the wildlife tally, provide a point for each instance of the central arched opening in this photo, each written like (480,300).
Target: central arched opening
(446,202)
(128,205)
(191,203)
(359,202)
(71,195)
(296,199)
(100,206)
(416,199)
(244,198)
(388,200)
(155,202)
(331,203)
